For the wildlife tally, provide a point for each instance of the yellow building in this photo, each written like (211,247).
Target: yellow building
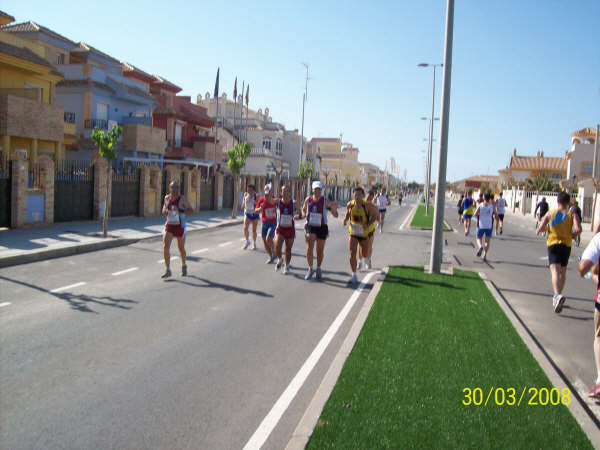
(520,168)
(30,123)
(339,163)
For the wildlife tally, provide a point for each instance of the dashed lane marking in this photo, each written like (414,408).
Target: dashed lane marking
(121,272)
(160,261)
(64,288)
(225,244)
(2,305)
(202,250)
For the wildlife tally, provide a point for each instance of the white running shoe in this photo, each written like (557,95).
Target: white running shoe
(278,265)
(360,264)
(368,264)
(558,301)
(353,279)
(254,245)
(285,270)
(309,274)
(246,245)
(270,260)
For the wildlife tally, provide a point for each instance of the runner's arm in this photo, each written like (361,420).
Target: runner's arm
(259,206)
(577,223)
(373,214)
(165,210)
(300,216)
(544,223)
(187,206)
(332,206)
(597,228)
(347,216)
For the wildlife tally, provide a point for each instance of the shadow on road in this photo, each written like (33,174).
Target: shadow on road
(544,294)
(212,284)
(80,302)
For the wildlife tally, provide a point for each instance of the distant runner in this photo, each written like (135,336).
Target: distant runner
(576,211)
(559,223)
(500,209)
(267,208)
(382,203)
(250,217)
(460,208)
(315,207)
(364,258)
(468,207)
(400,199)
(543,207)
(175,207)
(285,231)
(485,214)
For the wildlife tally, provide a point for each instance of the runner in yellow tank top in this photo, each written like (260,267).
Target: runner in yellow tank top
(559,223)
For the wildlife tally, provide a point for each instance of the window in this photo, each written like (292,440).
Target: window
(556,176)
(587,168)
(60,58)
(267,143)
(278,147)
(101,111)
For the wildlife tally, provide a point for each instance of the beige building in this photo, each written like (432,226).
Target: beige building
(581,155)
(520,168)
(339,161)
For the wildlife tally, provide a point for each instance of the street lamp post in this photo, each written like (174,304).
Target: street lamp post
(429,155)
(427,181)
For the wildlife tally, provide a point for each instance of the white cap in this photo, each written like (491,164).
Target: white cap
(317,185)
(267,188)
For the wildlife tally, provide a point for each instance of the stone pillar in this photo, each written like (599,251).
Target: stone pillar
(195,188)
(186,182)
(59,151)
(173,174)
(47,184)
(144,191)
(34,150)
(156,201)
(219,191)
(18,196)
(100,200)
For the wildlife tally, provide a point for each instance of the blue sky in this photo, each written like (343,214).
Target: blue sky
(525,74)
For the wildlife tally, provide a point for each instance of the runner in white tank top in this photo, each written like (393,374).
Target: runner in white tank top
(382,203)
(500,209)
(485,215)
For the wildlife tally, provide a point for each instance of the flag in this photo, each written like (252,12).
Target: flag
(235,90)
(216,95)
(247,94)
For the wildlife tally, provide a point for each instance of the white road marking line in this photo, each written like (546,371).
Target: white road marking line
(2,305)
(242,239)
(64,288)
(265,428)
(121,272)
(162,260)
(407,217)
(543,257)
(202,250)
(224,244)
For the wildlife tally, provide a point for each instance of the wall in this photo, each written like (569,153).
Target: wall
(16,79)
(581,153)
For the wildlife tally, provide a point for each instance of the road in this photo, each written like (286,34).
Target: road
(99,352)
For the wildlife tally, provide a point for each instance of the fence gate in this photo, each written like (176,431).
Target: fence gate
(125,199)
(5,185)
(228,192)
(207,194)
(587,209)
(73,190)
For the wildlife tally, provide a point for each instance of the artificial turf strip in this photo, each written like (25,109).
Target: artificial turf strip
(420,220)
(426,338)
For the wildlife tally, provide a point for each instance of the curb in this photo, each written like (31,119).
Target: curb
(579,409)
(93,246)
(307,424)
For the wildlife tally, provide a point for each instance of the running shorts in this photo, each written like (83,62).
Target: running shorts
(176,230)
(322,232)
(559,254)
(286,232)
(252,216)
(484,231)
(268,229)
(382,210)
(501,216)
(467,216)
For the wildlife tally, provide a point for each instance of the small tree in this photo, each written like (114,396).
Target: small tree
(106,142)
(305,171)
(236,160)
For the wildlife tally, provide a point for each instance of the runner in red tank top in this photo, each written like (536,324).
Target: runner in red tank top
(285,231)
(268,211)
(175,207)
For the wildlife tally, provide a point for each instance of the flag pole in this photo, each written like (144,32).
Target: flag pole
(234,108)
(240,134)
(216,96)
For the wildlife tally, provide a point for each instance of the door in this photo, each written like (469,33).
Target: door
(177,135)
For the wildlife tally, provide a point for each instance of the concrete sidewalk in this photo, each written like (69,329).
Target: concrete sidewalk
(62,239)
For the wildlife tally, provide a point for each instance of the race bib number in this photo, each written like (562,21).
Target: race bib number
(249,206)
(285,220)
(173,217)
(358,230)
(315,219)
(270,213)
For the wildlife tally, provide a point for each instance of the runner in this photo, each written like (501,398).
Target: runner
(543,207)
(361,217)
(589,261)
(285,231)
(559,224)
(400,198)
(468,207)
(460,208)
(576,211)
(382,203)
(365,257)
(175,207)
(485,214)
(500,210)
(267,208)
(250,217)
(315,207)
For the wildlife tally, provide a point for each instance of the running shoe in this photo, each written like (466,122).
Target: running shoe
(285,270)
(484,258)
(480,251)
(254,246)
(270,260)
(167,274)
(318,275)
(360,264)
(278,265)
(368,264)
(184,270)
(595,391)
(246,245)
(309,274)
(558,302)
(500,230)
(353,279)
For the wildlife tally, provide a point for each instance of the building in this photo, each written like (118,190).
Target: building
(520,168)
(476,183)
(581,156)
(338,160)
(31,123)
(369,174)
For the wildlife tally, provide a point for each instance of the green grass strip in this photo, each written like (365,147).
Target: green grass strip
(420,220)
(427,338)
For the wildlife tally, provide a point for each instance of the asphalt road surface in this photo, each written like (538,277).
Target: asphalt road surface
(96,351)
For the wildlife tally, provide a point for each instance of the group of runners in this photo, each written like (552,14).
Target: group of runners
(278,215)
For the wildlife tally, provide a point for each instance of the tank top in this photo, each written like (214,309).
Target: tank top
(175,214)
(250,204)
(382,201)
(285,214)
(560,228)
(468,206)
(316,215)
(358,216)
(486,216)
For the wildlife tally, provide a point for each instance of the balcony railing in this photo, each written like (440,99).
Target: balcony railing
(69,117)
(90,124)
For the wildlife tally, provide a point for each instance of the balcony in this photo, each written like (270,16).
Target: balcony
(144,120)
(143,138)
(24,117)
(91,124)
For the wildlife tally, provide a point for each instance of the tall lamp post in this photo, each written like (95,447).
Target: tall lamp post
(430,131)
(428,162)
